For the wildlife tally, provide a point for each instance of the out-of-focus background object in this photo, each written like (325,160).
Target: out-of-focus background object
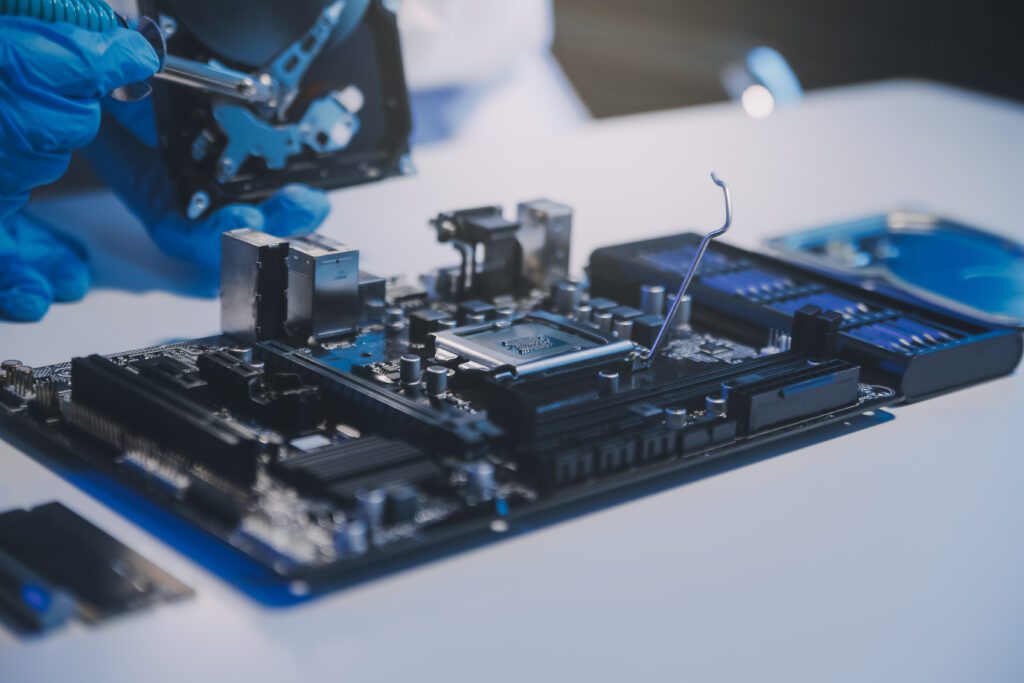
(627,56)
(925,257)
(488,67)
(484,68)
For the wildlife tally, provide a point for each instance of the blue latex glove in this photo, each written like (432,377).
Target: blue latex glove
(38,266)
(52,77)
(125,155)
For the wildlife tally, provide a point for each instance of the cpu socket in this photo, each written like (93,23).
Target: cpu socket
(536,342)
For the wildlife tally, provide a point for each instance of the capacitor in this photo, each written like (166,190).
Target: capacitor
(6,368)
(410,368)
(607,382)
(623,329)
(480,479)
(350,538)
(21,378)
(443,325)
(681,323)
(437,380)
(715,404)
(371,505)
(475,318)
(676,417)
(403,504)
(652,299)
(567,295)
(603,322)
(394,318)
(504,312)
(582,314)
(242,353)
(374,310)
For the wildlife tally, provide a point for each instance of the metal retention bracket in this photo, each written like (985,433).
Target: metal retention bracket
(694,264)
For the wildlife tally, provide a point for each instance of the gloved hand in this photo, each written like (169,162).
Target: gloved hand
(52,80)
(52,77)
(125,156)
(38,266)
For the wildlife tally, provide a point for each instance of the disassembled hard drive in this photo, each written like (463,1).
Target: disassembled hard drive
(344,421)
(319,99)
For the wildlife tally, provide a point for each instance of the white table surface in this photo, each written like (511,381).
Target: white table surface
(892,554)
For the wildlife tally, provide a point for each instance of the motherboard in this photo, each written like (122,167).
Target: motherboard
(346,421)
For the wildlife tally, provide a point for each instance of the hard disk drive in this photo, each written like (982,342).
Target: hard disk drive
(319,98)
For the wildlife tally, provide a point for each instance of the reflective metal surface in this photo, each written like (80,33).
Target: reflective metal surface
(921,256)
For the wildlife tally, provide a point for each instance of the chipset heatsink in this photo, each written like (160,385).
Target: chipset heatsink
(533,343)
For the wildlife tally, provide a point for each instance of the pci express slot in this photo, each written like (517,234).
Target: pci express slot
(146,408)
(380,409)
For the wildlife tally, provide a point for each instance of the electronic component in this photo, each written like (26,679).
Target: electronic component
(78,567)
(771,397)
(437,380)
(535,343)
(254,284)
(323,288)
(144,408)
(498,272)
(652,300)
(372,297)
(474,312)
(545,234)
(349,467)
(370,420)
(816,332)
(377,403)
(280,400)
(914,350)
(646,329)
(566,297)
(423,322)
(504,258)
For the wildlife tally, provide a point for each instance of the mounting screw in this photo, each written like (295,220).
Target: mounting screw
(168,25)
(198,205)
(201,145)
(225,169)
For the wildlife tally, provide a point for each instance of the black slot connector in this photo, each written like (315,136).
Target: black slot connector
(279,399)
(762,400)
(146,408)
